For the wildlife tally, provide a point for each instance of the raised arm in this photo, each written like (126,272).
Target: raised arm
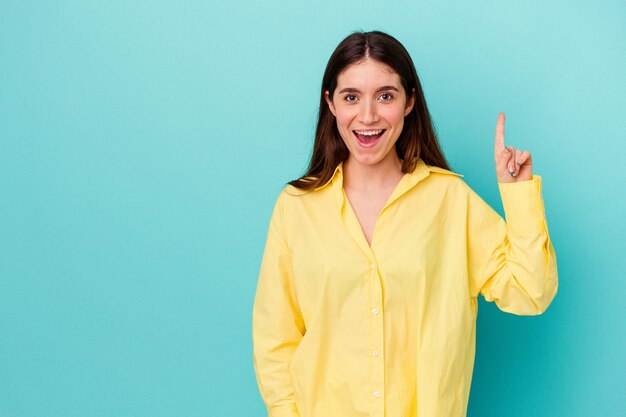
(512,263)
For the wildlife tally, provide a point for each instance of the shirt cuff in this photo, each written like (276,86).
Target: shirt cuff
(523,205)
(288,410)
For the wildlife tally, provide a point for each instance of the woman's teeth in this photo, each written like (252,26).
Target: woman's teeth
(369,136)
(369,132)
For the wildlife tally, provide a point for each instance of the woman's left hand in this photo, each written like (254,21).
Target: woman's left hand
(512,165)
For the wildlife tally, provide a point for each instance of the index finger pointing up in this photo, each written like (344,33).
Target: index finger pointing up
(499,142)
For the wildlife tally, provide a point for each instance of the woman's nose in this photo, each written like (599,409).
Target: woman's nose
(369,112)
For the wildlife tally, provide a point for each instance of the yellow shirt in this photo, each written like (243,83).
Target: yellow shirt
(342,329)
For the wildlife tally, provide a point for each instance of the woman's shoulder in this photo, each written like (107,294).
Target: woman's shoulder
(290,194)
(439,170)
(448,179)
(291,190)
(444,176)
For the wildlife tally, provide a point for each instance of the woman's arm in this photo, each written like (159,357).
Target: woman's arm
(512,263)
(277,324)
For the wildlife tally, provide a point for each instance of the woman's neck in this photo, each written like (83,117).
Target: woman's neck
(383,175)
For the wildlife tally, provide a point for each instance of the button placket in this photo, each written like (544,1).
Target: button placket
(376,342)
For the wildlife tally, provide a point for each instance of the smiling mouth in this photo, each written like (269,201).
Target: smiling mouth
(368,138)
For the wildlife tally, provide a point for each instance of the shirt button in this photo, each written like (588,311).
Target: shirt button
(374,311)
(375,353)
(376,394)
(373,266)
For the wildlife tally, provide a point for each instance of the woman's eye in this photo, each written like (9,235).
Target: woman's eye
(386,96)
(350,97)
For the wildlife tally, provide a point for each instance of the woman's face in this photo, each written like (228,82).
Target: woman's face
(369,104)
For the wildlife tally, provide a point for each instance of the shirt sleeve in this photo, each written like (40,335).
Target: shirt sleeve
(512,263)
(277,324)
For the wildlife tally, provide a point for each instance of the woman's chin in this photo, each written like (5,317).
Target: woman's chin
(367,159)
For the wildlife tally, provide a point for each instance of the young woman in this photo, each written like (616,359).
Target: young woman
(367,295)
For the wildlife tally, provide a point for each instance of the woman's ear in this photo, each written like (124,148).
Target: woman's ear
(331,106)
(410,103)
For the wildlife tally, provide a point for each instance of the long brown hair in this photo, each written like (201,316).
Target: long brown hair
(418,138)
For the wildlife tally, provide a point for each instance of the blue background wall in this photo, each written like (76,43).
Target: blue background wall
(143,143)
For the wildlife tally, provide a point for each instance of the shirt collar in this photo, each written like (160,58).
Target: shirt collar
(408,181)
(420,172)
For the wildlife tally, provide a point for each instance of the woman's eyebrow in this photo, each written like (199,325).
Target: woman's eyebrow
(355,90)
